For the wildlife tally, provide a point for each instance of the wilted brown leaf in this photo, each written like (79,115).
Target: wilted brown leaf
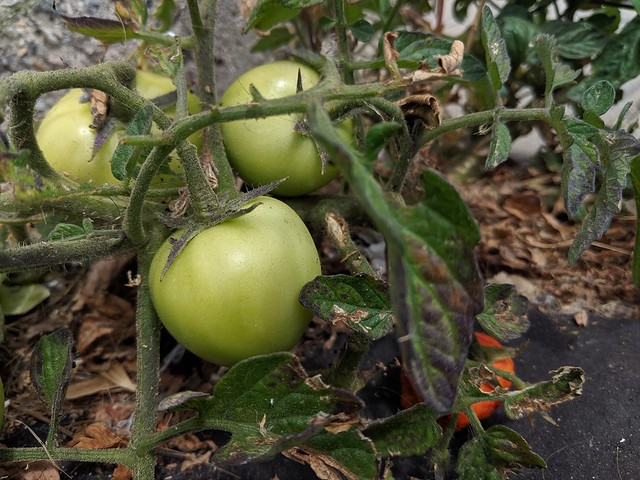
(96,435)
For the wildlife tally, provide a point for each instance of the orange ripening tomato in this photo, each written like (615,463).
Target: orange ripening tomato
(483,409)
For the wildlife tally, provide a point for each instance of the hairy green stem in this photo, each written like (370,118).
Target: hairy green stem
(406,148)
(487,116)
(203,21)
(292,104)
(343,41)
(24,454)
(148,370)
(133,223)
(50,254)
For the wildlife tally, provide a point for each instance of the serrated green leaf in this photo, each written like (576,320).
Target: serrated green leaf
(616,151)
(618,63)
(507,449)
(362,302)
(565,385)
(416,47)
(51,366)
(500,146)
(556,73)
(409,432)
(599,97)
(289,411)
(580,163)
(505,312)
(362,30)
(575,40)
(519,34)
(19,299)
(269,13)
(495,49)
(124,157)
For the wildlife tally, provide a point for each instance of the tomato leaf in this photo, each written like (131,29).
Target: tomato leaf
(616,150)
(416,47)
(500,146)
(125,156)
(165,14)
(51,366)
(105,30)
(494,452)
(505,312)
(434,280)
(580,162)
(474,464)
(19,299)
(599,97)
(362,302)
(564,385)
(269,13)
(618,61)
(556,73)
(495,49)
(290,413)
(575,40)
(409,432)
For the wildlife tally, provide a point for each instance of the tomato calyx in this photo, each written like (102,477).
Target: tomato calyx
(226,210)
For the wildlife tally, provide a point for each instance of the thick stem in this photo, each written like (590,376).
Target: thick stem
(148,371)
(24,454)
(203,21)
(50,254)
(487,116)
(343,41)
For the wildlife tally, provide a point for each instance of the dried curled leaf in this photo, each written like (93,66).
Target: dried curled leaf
(421,108)
(451,64)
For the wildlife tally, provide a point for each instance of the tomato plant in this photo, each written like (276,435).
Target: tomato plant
(232,292)
(272,148)
(67,138)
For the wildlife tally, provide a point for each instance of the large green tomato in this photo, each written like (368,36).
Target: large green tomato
(232,292)
(265,150)
(66,138)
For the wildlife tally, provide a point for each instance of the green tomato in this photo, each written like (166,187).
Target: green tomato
(66,138)
(232,292)
(265,150)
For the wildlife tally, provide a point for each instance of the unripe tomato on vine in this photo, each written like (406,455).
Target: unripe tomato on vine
(66,136)
(268,149)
